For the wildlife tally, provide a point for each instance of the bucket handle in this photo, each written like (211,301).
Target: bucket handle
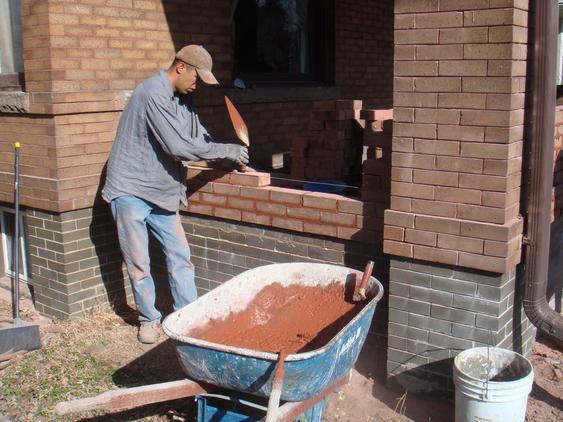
(489,341)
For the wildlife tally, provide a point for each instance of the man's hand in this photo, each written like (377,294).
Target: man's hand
(236,154)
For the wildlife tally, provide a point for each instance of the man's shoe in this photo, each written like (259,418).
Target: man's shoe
(148,333)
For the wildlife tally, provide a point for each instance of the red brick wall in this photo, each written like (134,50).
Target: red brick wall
(364,51)
(460,72)
(81,55)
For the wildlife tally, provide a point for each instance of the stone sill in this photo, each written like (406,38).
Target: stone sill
(248,197)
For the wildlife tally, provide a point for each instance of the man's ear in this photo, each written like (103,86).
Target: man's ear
(180,67)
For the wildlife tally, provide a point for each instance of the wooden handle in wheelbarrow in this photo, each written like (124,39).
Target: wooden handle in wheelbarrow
(360,294)
(277,385)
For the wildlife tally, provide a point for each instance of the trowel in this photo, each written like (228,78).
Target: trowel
(19,335)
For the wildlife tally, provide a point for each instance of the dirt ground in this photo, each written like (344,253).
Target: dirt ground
(85,357)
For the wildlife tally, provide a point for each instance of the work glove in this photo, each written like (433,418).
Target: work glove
(236,154)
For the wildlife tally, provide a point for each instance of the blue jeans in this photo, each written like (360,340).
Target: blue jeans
(133,216)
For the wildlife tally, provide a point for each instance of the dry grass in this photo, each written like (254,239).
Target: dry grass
(82,358)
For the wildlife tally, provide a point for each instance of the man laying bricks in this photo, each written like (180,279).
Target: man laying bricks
(146,178)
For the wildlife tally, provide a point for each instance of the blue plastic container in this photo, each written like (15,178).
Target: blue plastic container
(251,371)
(214,408)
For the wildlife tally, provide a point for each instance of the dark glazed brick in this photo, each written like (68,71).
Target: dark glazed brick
(454,286)
(419,293)
(417,307)
(410,277)
(448,342)
(397,316)
(454,315)
(480,305)
(399,289)
(325,255)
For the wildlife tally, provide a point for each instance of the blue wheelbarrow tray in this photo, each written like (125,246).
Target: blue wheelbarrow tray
(251,371)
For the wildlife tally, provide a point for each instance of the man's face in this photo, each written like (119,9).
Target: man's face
(187,78)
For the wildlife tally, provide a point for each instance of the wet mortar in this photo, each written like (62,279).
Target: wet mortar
(294,318)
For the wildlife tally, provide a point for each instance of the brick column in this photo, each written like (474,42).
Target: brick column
(460,69)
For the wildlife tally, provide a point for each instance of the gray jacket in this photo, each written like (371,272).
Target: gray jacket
(156,132)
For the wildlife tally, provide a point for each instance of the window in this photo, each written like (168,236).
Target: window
(7,229)
(11,52)
(280,41)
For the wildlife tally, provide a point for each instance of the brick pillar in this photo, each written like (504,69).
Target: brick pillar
(460,69)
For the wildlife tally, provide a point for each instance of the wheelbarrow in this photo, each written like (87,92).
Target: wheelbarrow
(309,377)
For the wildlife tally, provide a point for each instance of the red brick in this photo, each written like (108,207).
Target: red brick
(400,219)
(482,262)
(250,179)
(503,249)
(437,224)
(391,247)
(463,35)
(443,256)
(440,52)
(250,217)
(489,17)
(462,165)
(394,233)
(350,206)
(420,237)
(225,189)
(213,199)
(461,133)
(465,100)
(200,208)
(458,243)
(504,135)
(416,36)
(255,193)
(339,219)
(415,99)
(491,84)
(287,196)
(412,190)
(437,84)
(457,195)
(414,68)
(401,174)
(479,150)
(321,200)
(304,213)
(228,213)
(483,182)
(288,223)
(437,116)
(242,204)
(426,146)
(400,204)
(480,213)
(439,20)
(490,231)
(442,209)
(269,208)
(463,68)
(435,178)
(419,161)
(322,229)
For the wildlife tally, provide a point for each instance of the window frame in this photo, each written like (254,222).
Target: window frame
(23,244)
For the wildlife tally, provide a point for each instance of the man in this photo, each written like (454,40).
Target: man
(158,130)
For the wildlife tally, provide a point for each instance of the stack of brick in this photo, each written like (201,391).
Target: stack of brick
(376,158)
(331,147)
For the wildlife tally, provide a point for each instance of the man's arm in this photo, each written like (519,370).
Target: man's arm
(170,134)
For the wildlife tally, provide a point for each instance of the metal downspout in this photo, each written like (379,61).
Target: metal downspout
(541,170)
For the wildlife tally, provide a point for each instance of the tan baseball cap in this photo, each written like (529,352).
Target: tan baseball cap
(200,59)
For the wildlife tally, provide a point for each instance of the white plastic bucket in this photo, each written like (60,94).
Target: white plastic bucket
(491,384)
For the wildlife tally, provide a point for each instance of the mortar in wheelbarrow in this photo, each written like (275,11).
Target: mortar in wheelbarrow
(251,371)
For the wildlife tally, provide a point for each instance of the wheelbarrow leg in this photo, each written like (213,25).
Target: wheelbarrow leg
(129,398)
(290,411)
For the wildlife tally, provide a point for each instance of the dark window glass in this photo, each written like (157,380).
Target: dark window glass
(283,40)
